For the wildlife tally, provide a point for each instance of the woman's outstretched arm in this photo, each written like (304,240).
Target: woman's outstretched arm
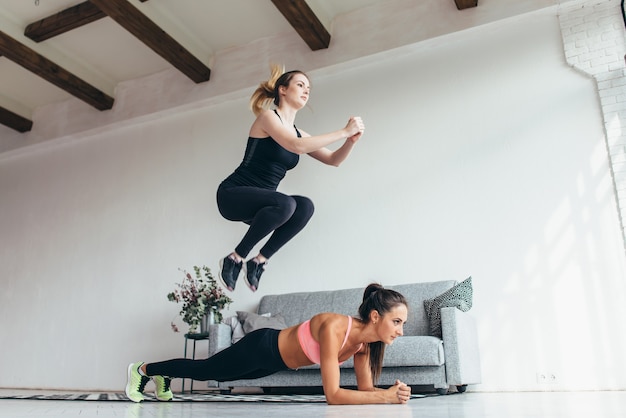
(271,125)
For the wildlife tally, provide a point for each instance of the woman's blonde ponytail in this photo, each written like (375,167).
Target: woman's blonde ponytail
(264,95)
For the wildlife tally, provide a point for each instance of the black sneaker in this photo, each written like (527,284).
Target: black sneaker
(229,272)
(253,273)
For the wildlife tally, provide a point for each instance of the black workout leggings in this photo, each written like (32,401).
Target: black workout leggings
(265,211)
(255,355)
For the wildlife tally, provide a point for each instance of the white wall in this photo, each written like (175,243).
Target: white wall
(484,155)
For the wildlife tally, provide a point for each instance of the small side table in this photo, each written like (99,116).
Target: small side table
(195,338)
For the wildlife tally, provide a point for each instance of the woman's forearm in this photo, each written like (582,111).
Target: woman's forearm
(340,154)
(310,144)
(357,397)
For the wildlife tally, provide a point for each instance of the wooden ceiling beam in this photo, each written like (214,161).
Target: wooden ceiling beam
(64,21)
(305,22)
(51,72)
(465,4)
(15,121)
(148,32)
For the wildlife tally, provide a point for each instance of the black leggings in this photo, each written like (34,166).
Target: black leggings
(265,211)
(255,355)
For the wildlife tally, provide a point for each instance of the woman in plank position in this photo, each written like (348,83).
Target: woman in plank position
(327,339)
(274,146)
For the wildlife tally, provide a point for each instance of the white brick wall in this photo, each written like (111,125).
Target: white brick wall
(594,41)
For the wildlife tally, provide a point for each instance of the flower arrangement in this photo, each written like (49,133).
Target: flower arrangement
(199,296)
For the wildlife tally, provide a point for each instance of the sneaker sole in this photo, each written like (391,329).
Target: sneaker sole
(127,390)
(162,399)
(156,392)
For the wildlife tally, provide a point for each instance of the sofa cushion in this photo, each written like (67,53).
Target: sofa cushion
(414,351)
(236,328)
(298,307)
(251,321)
(459,296)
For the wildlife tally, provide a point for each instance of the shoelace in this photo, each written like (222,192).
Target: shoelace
(166,384)
(143,382)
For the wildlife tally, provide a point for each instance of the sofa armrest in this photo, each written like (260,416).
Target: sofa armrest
(220,336)
(460,345)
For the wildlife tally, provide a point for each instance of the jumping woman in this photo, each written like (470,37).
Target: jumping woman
(327,339)
(274,146)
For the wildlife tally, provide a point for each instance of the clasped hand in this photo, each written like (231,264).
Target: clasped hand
(401,392)
(355,128)
(355,125)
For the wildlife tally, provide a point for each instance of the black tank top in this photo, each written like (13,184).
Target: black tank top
(264,164)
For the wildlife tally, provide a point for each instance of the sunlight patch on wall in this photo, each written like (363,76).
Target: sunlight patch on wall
(614,129)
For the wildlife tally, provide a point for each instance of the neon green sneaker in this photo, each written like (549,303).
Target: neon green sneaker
(136,383)
(162,390)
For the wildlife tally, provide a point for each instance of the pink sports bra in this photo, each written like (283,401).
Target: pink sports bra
(311,347)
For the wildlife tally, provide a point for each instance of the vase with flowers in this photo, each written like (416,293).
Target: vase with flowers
(201,296)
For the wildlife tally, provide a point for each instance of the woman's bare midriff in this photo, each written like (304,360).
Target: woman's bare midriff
(290,350)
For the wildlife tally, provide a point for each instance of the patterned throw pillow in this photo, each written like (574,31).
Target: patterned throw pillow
(459,296)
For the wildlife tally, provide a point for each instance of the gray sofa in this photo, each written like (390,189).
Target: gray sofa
(415,358)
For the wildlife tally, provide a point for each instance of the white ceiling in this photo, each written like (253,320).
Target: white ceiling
(104,54)
(107,54)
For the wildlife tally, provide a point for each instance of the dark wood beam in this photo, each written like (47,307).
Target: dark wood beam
(64,21)
(148,32)
(465,4)
(51,72)
(305,22)
(15,121)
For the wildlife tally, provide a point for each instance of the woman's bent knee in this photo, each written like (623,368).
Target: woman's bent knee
(305,206)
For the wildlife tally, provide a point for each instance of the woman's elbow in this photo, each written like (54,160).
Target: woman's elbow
(333,397)
(333,400)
